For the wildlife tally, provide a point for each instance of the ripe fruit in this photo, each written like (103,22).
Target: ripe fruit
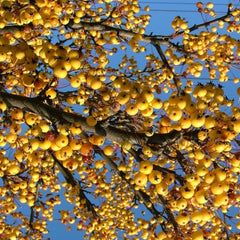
(197,120)
(187,191)
(162,188)
(198,235)
(220,174)
(210,122)
(221,199)
(99,164)
(238,91)
(131,109)
(145,167)
(46,144)
(185,122)
(142,104)
(61,141)
(97,140)
(91,121)
(238,225)
(75,144)
(71,164)
(217,188)
(201,196)
(182,218)
(126,145)
(108,150)
(13,169)
(59,71)
(147,151)
(182,203)
(174,113)
(11,137)
(96,84)
(169,179)
(148,95)
(140,179)
(156,103)
(86,149)
(196,216)
(155,177)
(16,114)
(3,106)
(123,98)
(30,118)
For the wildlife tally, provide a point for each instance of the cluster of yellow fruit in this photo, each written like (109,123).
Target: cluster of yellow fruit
(179,23)
(16,55)
(60,59)
(221,48)
(144,100)
(154,177)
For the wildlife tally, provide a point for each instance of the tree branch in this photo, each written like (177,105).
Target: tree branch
(58,116)
(70,179)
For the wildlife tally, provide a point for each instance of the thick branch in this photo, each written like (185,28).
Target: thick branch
(11,28)
(58,116)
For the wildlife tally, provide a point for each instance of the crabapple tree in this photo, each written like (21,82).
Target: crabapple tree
(117,123)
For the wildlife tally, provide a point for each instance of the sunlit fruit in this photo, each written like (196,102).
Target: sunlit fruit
(210,122)
(155,177)
(182,203)
(197,120)
(196,216)
(108,150)
(187,191)
(14,169)
(141,104)
(156,103)
(99,164)
(97,140)
(70,163)
(162,188)
(220,174)
(148,95)
(145,167)
(182,218)
(3,106)
(17,114)
(185,122)
(131,109)
(201,196)
(60,71)
(11,137)
(140,179)
(123,98)
(126,145)
(221,199)
(86,149)
(174,113)
(91,121)
(217,188)
(61,141)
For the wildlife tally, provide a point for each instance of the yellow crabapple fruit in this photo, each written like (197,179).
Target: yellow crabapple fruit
(155,177)
(145,167)
(108,150)
(140,179)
